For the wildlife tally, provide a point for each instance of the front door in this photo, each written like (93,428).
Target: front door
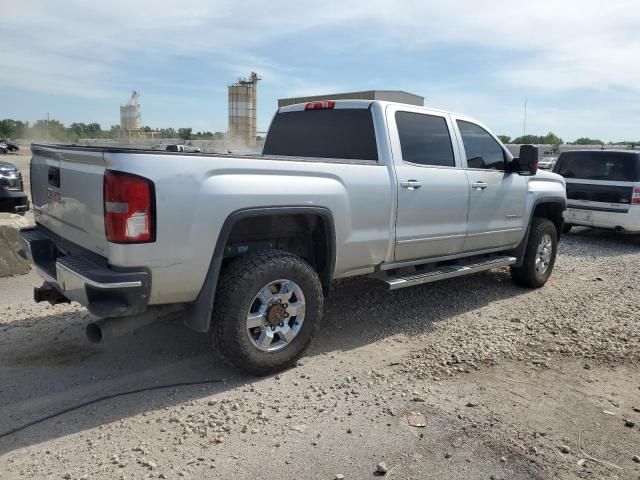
(433,191)
(497,202)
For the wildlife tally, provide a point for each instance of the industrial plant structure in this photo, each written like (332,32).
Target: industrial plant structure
(242,112)
(130,117)
(385,95)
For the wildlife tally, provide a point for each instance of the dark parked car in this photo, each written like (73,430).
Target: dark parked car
(13,199)
(8,146)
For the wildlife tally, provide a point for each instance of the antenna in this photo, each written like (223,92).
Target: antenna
(524,127)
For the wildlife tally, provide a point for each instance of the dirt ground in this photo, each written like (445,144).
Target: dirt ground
(508,384)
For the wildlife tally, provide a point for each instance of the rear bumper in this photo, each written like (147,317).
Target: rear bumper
(13,201)
(628,221)
(85,277)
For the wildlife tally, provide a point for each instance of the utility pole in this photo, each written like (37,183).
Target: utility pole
(524,127)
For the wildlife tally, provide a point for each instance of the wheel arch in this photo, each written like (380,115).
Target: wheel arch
(551,208)
(199,313)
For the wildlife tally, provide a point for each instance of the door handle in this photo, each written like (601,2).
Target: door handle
(411,184)
(479,185)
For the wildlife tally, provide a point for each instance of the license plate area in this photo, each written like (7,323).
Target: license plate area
(580,215)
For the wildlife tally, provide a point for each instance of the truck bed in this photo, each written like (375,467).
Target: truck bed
(195,193)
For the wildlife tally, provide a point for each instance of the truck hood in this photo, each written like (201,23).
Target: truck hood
(547,176)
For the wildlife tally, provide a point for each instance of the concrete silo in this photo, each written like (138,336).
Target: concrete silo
(130,117)
(242,112)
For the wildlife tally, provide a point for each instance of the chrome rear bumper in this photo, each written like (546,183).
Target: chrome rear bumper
(85,277)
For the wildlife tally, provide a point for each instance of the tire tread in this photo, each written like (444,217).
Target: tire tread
(234,282)
(525,275)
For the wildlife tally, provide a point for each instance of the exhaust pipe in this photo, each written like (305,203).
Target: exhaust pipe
(108,328)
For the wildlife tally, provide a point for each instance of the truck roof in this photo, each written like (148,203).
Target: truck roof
(600,151)
(339,104)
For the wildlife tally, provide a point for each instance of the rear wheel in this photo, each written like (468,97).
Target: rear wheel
(539,256)
(268,307)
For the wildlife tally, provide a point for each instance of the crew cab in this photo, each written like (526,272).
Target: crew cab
(603,189)
(245,247)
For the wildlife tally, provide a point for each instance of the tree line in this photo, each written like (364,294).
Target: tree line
(553,139)
(56,130)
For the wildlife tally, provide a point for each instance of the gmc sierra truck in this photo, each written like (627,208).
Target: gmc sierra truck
(245,248)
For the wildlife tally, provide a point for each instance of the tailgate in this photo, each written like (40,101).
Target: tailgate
(598,195)
(67,191)
(611,193)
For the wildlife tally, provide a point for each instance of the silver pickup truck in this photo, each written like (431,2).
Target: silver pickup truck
(245,247)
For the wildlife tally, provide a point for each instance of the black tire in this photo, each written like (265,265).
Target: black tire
(567,228)
(527,275)
(237,288)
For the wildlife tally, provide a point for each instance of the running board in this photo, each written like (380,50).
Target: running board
(449,271)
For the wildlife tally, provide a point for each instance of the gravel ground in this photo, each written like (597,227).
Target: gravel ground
(505,383)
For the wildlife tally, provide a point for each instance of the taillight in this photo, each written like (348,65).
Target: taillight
(129,208)
(635,198)
(323,105)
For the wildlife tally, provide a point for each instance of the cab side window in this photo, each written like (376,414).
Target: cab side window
(425,139)
(482,150)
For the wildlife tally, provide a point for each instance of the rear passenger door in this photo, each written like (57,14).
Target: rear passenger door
(497,202)
(433,192)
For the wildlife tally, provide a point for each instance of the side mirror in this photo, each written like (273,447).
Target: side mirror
(527,163)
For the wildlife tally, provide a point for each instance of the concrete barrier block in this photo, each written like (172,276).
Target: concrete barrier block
(10,262)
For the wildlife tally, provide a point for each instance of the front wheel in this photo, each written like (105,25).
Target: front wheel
(539,256)
(267,309)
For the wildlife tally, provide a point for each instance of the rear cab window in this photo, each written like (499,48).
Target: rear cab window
(340,133)
(425,139)
(600,165)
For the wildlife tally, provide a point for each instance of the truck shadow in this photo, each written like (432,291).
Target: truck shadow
(46,364)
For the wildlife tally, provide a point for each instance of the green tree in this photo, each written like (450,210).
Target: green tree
(588,141)
(167,133)
(7,128)
(11,129)
(504,138)
(185,133)
(524,139)
(551,139)
(94,130)
(50,130)
(548,139)
(78,130)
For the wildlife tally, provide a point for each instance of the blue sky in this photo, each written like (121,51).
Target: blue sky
(575,61)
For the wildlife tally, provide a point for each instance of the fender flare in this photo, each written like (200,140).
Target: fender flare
(199,313)
(518,252)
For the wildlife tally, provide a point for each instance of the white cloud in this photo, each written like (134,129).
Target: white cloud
(545,48)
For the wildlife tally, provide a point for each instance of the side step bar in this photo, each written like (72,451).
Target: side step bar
(448,271)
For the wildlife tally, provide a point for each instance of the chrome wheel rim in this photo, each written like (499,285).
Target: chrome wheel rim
(543,254)
(276,315)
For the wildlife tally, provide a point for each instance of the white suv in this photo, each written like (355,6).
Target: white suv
(603,189)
